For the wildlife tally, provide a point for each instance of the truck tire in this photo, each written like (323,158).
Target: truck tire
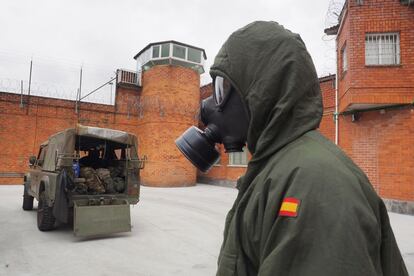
(45,218)
(27,200)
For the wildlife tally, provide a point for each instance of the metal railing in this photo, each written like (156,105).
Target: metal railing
(124,76)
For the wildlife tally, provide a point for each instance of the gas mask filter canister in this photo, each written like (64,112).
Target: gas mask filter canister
(226,122)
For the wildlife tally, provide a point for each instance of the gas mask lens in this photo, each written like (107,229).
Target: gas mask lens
(222,89)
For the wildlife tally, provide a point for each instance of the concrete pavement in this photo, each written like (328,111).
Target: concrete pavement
(176,231)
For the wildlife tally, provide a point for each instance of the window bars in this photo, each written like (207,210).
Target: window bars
(382,49)
(238,158)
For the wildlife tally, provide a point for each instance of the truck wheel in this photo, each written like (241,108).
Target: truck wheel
(27,200)
(45,218)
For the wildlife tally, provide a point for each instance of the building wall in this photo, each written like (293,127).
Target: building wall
(379,141)
(344,41)
(157,115)
(375,84)
(22,130)
(172,95)
(222,172)
(327,126)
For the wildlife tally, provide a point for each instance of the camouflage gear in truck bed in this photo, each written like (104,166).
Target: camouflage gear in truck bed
(92,180)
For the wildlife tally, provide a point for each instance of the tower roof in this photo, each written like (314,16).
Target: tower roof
(170,41)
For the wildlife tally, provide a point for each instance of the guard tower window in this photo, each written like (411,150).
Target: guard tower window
(165,50)
(173,53)
(382,49)
(179,51)
(156,51)
(194,55)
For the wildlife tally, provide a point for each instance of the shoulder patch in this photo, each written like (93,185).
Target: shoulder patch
(290,207)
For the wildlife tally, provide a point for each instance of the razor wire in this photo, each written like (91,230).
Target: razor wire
(137,107)
(332,18)
(52,90)
(59,79)
(333,13)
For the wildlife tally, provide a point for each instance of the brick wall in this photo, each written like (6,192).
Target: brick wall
(22,130)
(327,126)
(223,171)
(362,84)
(343,42)
(381,143)
(172,95)
(157,115)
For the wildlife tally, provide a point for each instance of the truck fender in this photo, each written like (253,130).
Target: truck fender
(44,186)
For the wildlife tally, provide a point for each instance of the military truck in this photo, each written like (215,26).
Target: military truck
(87,176)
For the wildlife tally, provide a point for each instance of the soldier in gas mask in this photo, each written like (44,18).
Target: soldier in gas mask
(303,207)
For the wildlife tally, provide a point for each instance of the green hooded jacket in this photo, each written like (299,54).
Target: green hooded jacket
(303,207)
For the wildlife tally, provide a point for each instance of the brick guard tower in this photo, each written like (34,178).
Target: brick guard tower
(168,104)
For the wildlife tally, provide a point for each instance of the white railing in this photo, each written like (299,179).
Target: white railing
(124,76)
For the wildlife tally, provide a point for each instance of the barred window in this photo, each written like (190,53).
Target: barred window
(238,158)
(382,49)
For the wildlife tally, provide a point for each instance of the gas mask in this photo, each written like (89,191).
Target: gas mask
(226,121)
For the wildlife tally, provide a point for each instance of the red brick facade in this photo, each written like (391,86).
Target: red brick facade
(378,140)
(327,126)
(22,130)
(381,143)
(157,114)
(172,95)
(382,84)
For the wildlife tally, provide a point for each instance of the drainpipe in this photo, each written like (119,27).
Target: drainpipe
(336,115)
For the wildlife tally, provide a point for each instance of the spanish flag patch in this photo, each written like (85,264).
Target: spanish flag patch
(289,208)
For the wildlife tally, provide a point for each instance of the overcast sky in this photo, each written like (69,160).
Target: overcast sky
(101,36)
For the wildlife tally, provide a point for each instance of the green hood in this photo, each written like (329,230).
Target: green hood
(337,224)
(275,75)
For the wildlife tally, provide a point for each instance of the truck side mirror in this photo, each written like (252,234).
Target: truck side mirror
(142,161)
(32,160)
